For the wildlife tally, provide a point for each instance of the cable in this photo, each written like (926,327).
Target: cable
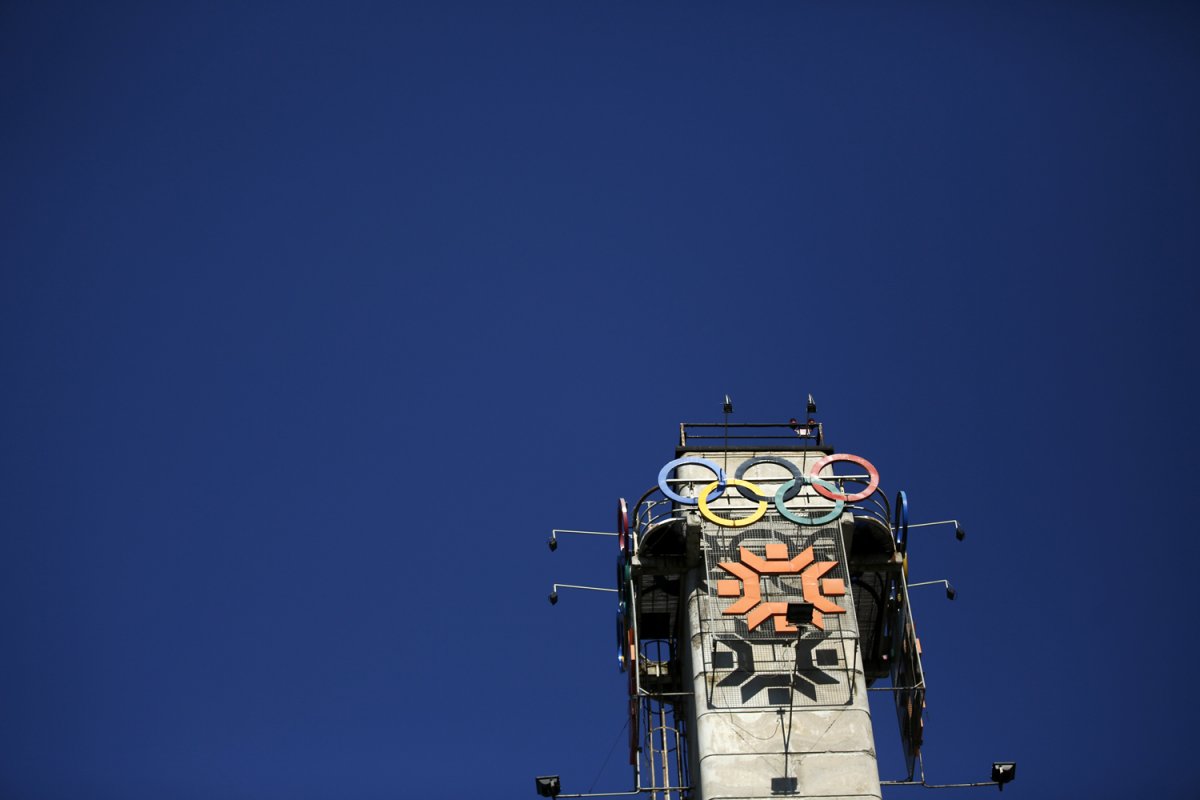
(607,757)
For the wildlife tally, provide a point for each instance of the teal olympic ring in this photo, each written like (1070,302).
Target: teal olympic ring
(800,519)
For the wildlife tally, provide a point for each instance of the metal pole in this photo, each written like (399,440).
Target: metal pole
(666,765)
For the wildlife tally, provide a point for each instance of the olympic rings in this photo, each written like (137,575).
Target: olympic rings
(826,487)
(799,519)
(783,462)
(624,571)
(733,523)
(690,501)
(833,494)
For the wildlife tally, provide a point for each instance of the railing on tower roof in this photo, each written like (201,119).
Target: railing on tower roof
(791,435)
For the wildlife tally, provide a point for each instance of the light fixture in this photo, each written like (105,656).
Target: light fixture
(553,598)
(951,593)
(959,533)
(789,785)
(799,613)
(553,542)
(812,404)
(548,785)
(728,406)
(1004,772)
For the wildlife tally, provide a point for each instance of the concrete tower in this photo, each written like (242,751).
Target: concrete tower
(761,588)
(776,707)
(744,565)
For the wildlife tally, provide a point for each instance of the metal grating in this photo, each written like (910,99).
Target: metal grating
(763,667)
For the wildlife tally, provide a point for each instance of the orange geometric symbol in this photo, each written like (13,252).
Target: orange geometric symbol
(748,588)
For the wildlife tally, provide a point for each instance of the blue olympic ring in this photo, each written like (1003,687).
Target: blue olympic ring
(691,501)
(901,522)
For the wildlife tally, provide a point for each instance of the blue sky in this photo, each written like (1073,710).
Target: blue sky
(315,318)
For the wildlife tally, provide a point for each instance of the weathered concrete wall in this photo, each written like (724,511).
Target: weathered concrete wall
(738,747)
(737,751)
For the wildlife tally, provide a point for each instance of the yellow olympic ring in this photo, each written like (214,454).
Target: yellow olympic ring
(732,523)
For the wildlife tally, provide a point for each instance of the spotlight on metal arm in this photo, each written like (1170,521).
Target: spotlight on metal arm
(1004,772)
(553,540)
(950,590)
(959,533)
(557,586)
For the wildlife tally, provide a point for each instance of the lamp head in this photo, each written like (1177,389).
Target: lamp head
(1004,772)
(799,613)
(553,598)
(548,785)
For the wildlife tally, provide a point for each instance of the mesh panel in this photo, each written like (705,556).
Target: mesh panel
(763,667)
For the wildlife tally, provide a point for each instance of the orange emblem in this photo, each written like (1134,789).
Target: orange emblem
(748,586)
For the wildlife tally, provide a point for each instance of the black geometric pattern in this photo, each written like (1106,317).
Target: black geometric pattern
(807,676)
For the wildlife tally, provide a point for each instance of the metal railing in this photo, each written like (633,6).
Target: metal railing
(813,432)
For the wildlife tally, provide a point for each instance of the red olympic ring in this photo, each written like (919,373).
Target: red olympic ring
(848,498)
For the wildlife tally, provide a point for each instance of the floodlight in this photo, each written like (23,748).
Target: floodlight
(812,404)
(553,598)
(788,785)
(959,533)
(553,542)
(548,785)
(728,406)
(799,613)
(1004,772)
(950,591)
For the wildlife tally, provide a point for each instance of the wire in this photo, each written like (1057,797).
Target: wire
(607,757)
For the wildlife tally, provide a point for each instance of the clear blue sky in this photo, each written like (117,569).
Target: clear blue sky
(315,318)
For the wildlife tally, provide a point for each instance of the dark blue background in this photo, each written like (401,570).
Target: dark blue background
(315,318)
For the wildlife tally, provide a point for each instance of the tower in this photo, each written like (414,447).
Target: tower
(761,590)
